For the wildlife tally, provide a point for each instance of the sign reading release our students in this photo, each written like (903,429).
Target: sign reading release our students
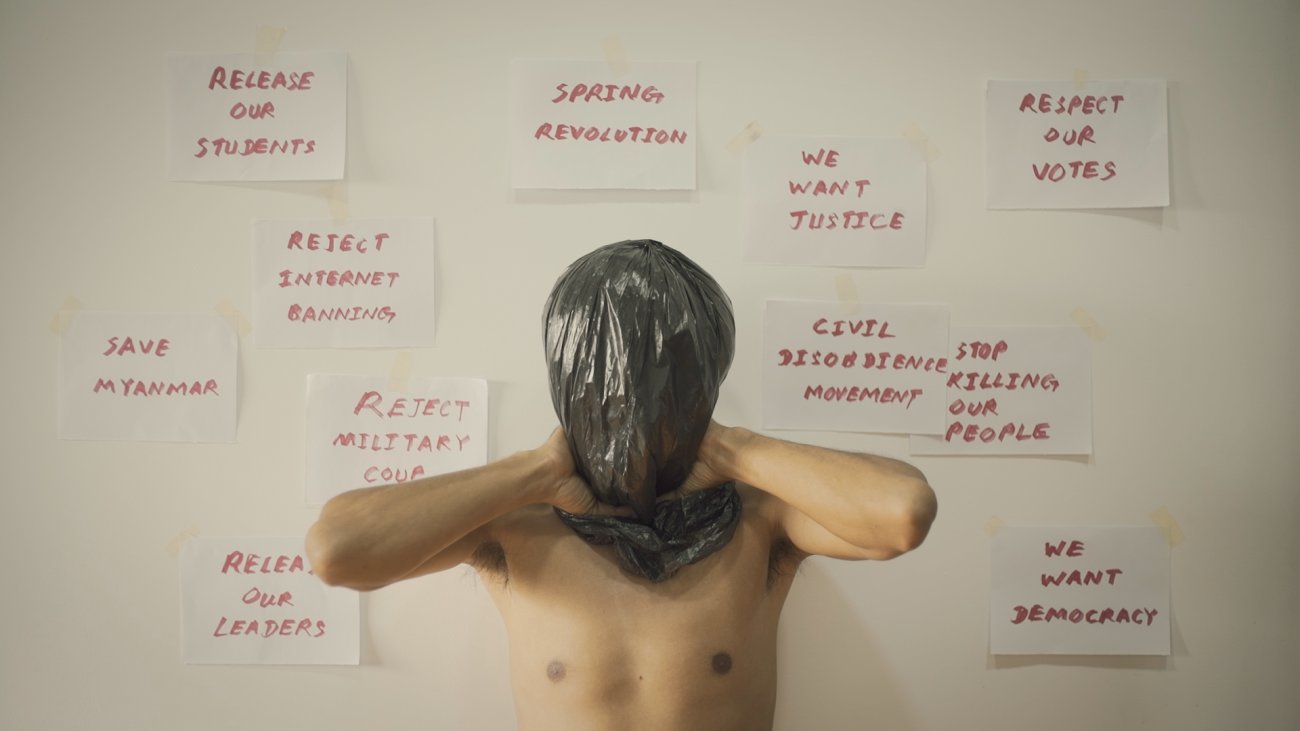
(1056,144)
(245,117)
(585,124)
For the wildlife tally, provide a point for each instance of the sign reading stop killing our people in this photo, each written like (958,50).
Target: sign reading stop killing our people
(1104,144)
(834,202)
(881,369)
(148,377)
(359,284)
(1016,390)
(585,124)
(245,117)
(254,601)
(1093,590)
(364,431)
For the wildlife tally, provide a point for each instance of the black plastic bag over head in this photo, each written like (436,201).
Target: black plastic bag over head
(638,341)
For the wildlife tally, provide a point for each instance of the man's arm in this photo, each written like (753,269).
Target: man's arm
(368,538)
(839,504)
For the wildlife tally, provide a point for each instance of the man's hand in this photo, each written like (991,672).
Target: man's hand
(565,488)
(710,468)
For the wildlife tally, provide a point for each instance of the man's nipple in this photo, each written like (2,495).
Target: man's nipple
(722,663)
(555,671)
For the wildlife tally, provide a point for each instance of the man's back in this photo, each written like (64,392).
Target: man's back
(592,646)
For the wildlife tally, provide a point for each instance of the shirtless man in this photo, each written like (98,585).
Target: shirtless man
(593,646)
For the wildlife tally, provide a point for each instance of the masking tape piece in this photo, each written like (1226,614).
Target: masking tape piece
(1088,324)
(268,42)
(1173,532)
(848,294)
(400,375)
(1080,79)
(745,137)
(336,196)
(921,141)
(616,56)
(175,544)
(993,525)
(64,316)
(234,317)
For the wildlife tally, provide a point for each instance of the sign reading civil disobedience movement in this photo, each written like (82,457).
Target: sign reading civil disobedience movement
(880,369)
(582,124)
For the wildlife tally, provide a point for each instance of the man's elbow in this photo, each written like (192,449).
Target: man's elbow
(326,559)
(916,515)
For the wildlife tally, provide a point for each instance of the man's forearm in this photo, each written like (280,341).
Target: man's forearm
(371,537)
(880,505)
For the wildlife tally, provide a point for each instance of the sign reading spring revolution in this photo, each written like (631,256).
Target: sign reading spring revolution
(244,117)
(364,431)
(1016,390)
(583,124)
(881,369)
(833,202)
(1056,144)
(255,601)
(1090,590)
(359,284)
(148,377)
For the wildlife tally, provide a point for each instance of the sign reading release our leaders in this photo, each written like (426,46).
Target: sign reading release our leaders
(586,124)
(245,117)
(255,601)
(359,284)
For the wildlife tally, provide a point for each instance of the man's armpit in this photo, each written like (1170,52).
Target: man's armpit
(489,559)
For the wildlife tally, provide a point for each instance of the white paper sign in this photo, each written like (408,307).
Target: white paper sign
(254,601)
(357,284)
(880,369)
(1080,591)
(245,117)
(148,377)
(1056,144)
(1016,390)
(579,124)
(819,201)
(362,431)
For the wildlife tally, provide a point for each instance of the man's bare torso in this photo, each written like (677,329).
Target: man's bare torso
(592,647)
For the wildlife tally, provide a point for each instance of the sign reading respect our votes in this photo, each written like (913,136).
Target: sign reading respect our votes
(585,124)
(249,117)
(1056,144)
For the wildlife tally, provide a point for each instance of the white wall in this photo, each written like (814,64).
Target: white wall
(1195,391)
